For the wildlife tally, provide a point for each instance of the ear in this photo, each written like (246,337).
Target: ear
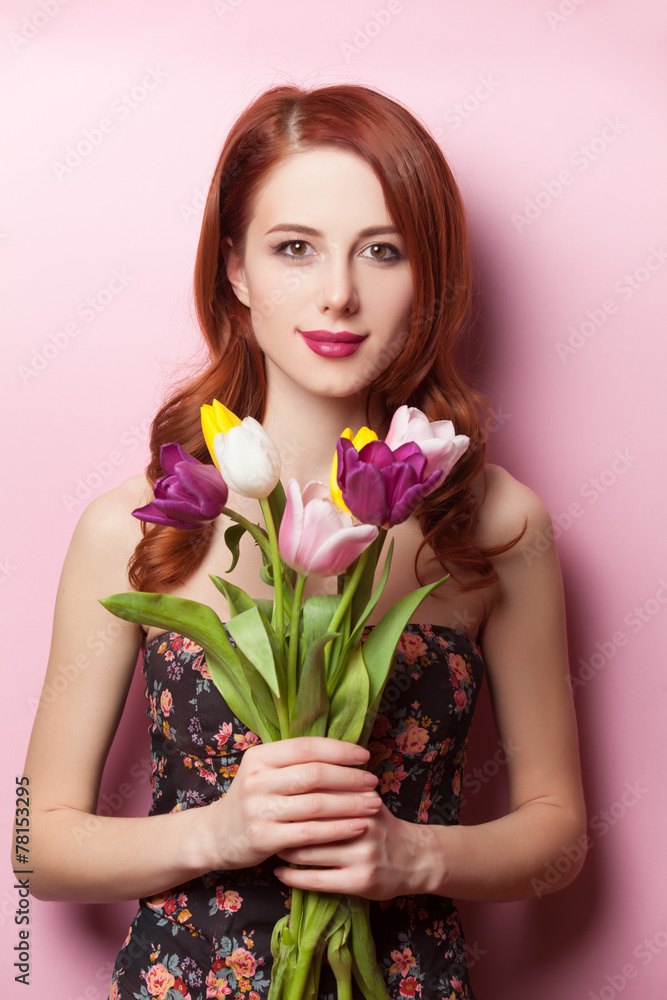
(235,271)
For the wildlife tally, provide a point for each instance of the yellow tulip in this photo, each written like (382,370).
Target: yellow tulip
(216,419)
(363,436)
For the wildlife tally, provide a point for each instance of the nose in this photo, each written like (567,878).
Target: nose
(338,294)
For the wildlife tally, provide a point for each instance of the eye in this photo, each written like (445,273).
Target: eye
(382,252)
(297,248)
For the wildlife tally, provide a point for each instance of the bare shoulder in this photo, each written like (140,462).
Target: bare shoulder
(107,533)
(506,507)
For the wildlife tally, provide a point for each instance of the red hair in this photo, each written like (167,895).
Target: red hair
(424,204)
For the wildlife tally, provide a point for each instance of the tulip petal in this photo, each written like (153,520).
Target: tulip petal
(339,551)
(399,478)
(396,435)
(411,499)
(190,495)
(216,419)
(291,525)
(151,514)
(377,453)
(248,459)
(363,436)
(321,522)
(365,494)
(206,485)
(172,453)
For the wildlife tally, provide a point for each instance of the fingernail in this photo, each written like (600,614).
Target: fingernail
(370,780)
(372,801)
(361,754)
(357,824)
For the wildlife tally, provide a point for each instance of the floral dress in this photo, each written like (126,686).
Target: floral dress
(210,937)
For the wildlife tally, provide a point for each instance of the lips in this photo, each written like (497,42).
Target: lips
(328,344)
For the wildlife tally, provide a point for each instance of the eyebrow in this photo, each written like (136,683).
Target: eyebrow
(292,227)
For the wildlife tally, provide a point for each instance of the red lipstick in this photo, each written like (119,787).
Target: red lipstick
(328,344)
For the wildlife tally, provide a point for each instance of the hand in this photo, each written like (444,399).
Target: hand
(290,794)
(389,859)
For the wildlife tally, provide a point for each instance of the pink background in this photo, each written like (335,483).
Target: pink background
(557,102)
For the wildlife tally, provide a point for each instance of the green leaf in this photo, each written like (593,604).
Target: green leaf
(348,704)
(237,599)
(261,693)
(311,707)
(316,614)
(259,534)
(363,592)
(265,606)
(250,631)
(364,961)
(381,644)
(201,624)
(355,635)
(277,500)
(233,536)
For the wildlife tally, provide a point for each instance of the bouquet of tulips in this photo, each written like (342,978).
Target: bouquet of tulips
(297,667)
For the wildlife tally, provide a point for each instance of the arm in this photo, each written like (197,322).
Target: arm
(76,855)
(524,646)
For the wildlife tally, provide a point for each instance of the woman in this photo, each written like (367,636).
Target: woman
(332,280)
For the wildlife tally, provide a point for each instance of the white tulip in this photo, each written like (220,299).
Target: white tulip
(248,459)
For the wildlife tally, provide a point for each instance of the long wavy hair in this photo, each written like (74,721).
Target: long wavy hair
(424,204)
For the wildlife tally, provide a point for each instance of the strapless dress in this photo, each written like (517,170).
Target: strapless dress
(210,937)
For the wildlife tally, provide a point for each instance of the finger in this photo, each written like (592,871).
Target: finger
(339,880)
(322,806)
(300,779)
(284,753)
(295,835)
(323,855)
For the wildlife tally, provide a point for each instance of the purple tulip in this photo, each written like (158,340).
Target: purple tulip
(381,486)
(189,494)
(315,536)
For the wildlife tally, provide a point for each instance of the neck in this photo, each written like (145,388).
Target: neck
(305,428)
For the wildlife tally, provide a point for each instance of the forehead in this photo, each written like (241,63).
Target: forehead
(320,187)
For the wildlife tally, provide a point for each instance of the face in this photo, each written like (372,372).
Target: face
(325,274)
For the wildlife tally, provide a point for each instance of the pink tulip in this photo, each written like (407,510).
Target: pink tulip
(436,438)
(315,536)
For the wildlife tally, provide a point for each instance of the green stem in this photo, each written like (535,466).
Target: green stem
(294,642)
(283,717)
(278,620)
(296,911)
(348,592)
